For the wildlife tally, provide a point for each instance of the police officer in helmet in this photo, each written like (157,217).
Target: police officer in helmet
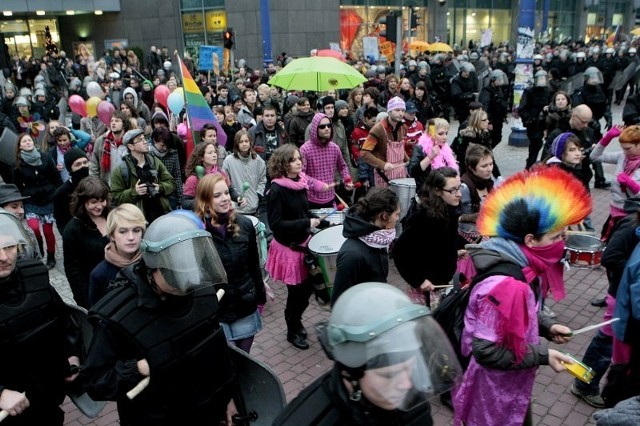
(37,333)
(161,322)
(390,356)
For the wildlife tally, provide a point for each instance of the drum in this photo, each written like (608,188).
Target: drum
(583,250)
(260,239)
(579,370)
(405,189)
(335,218)
(326,245)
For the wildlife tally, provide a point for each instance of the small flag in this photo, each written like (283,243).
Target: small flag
(198,110)
(615,37)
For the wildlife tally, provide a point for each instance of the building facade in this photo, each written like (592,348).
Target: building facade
(296,27)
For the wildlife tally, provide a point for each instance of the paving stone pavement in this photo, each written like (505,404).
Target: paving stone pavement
(553,403)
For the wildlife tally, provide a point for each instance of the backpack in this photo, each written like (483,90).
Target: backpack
(450,312)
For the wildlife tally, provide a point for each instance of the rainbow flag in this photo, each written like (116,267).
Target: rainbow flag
(198,110)
(614,38)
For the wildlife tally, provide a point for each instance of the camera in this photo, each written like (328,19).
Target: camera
(152,178)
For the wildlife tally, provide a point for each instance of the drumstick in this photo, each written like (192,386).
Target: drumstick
(443,286)
(145,382)
(4,413)
(346,206)
(324,216)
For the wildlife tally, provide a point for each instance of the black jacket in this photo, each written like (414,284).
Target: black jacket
(83,247)
(326,403)
(357,262)
(38,182)
(428,248)
(239,254)
(619,248)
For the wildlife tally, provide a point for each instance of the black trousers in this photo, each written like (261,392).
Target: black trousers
(297,302)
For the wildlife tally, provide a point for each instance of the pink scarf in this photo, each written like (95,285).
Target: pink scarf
(544,262)
(631,164)
(304,182)
(509,299)
(444,159)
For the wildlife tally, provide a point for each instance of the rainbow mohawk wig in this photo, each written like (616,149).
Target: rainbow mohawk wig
(545,199)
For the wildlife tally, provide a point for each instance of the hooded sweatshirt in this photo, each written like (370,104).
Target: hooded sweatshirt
(358,262)
(321,161)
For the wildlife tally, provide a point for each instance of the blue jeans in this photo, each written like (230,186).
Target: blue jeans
(598,357)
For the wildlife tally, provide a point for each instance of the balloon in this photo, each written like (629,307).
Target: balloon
(78,105)
(94,89)
(176,101)
(92,106)
(104,110)
(161,94)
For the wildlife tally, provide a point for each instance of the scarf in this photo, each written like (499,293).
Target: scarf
(105,161)
(112,256)
(544,262)
(296,185)
(157,152)
(380,238)
(32,158)
(220,227)
(64,150)
(444,159)
(631,165)
(509,299)
(475,183)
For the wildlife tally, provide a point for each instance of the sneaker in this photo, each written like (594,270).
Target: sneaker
(593,400)
(549,312)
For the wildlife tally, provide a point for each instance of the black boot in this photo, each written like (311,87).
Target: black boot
(51,260)
(295,335)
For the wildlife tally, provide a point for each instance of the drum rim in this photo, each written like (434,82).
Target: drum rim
(317,253)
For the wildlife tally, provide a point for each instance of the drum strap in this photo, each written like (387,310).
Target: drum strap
(382,175)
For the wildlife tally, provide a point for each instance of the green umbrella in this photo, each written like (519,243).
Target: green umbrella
(318,74)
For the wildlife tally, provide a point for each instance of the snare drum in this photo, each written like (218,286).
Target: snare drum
(405,189)
(326,245)
(583,250)
(260,239)
(337,217)
(579,370)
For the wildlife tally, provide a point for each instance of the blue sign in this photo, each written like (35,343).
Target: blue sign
(211,58)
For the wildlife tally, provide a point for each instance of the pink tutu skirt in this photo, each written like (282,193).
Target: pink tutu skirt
(286,265)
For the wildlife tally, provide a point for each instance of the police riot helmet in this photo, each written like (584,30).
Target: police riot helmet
(437,59)
(609,51)
(540,79)
(179,247)
(499,77)
(538,57)
(423,64)
(21,101)
(38,79)
(11,230)
(40,92)
(26,92)
(632,51)
(467,67)
(474,56)
(581,55)
(413,63)
(593,76)
(375,328)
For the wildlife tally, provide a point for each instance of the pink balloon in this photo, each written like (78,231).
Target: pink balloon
(161,94)
(78,105)
(105,109)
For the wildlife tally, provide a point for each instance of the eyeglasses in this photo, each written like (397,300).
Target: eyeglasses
(453,190)
(325,126)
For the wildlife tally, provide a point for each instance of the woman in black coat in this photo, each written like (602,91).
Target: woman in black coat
(369,229)
(85,236)
(235,239)
(427,251)
(37,177)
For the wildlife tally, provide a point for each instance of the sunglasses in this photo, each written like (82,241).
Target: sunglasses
(325,126)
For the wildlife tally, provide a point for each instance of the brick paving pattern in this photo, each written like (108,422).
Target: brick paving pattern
(553,404)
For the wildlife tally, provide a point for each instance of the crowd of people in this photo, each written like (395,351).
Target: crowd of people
(155,217)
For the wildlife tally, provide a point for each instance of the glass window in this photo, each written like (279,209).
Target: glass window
(200,4)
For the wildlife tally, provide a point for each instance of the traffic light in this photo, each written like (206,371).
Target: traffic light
(391,23)
(229,38)
(415,19)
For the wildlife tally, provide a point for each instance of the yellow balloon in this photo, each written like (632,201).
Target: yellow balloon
(92,106)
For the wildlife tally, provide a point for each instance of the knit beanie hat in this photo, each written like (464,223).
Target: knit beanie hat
(395,103)
(341,104)
(327,100)
(559,144)
(71,156)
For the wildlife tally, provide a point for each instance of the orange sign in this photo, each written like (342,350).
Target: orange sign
(387,49)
